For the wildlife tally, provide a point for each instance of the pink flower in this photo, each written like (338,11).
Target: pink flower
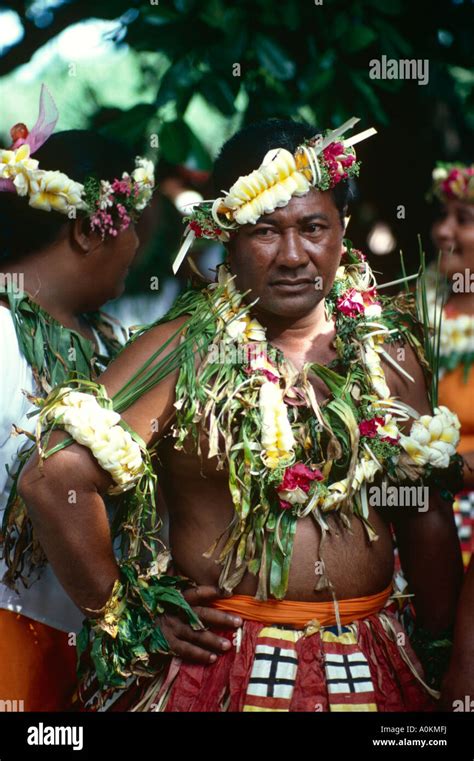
(337,161)
(456,183)
(296,484)
(196,228)
(351,303)
(389,439)
(354,302)
(124,217)
(122,186)
(369,427)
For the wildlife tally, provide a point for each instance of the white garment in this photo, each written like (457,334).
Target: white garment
(45,600)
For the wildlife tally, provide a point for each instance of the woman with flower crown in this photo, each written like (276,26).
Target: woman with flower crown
(272,407)
(453,236)
(58,269)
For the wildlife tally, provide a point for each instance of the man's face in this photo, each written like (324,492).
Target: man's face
(289,258)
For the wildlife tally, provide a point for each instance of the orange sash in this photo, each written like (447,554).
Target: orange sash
(298,614)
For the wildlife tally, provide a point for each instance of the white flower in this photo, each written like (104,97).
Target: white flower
(106,195)
(338,492)
(373,310)
(144,176)
(97,428)
(144,172)
(365,470)
(439,174)
(235,329)
(294,496)
(277,437)
(54,190)
(13,163)
(254,331)
(267,188)
(243,328)
(439,454)
(416,451)
(374,366)
(22,184)
(389,428)
(433,438)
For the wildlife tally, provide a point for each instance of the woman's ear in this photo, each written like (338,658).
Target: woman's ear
(80,235)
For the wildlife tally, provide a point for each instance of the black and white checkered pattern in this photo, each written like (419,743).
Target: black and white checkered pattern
(348,673)
(273,672)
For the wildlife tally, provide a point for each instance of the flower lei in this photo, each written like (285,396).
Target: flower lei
(456,339)
(320,162)
(288,457)
(98,428)
(114,205)
(110,206)
(453,182)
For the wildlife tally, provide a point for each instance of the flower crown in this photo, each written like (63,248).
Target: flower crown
(111,206)
(320,162)
(453,182)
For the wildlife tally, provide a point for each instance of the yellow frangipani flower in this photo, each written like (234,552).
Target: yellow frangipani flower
(54,190)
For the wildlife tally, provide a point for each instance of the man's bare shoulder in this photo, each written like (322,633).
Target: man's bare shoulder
(406,378)
(154,344)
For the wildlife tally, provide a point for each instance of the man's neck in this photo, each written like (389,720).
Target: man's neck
(292,332)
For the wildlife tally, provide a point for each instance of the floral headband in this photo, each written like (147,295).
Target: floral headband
(453,182)
(111,206)
(320,162)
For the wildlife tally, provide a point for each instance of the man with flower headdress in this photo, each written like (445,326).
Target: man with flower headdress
(270,404)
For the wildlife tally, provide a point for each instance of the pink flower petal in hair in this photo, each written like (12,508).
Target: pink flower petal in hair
(45,123)
(43,129)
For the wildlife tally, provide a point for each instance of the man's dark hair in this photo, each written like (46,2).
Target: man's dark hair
(77,153)
(244,152)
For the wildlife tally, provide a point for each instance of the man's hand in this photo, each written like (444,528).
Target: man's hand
(199,646)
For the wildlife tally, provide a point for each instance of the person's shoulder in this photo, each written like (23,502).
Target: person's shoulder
(407,374)
(7,324)
(4,307)
(161,331)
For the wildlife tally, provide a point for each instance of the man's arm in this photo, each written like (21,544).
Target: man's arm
(65,503)
(427,540)
(459,680)
(64,497)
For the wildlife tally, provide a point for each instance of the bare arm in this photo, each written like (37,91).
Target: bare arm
(459,680)
(75,535)
(428,544)
(65,498)
(469,469)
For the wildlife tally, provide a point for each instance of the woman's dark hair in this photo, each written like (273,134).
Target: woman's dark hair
(77,153)
(244,152)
